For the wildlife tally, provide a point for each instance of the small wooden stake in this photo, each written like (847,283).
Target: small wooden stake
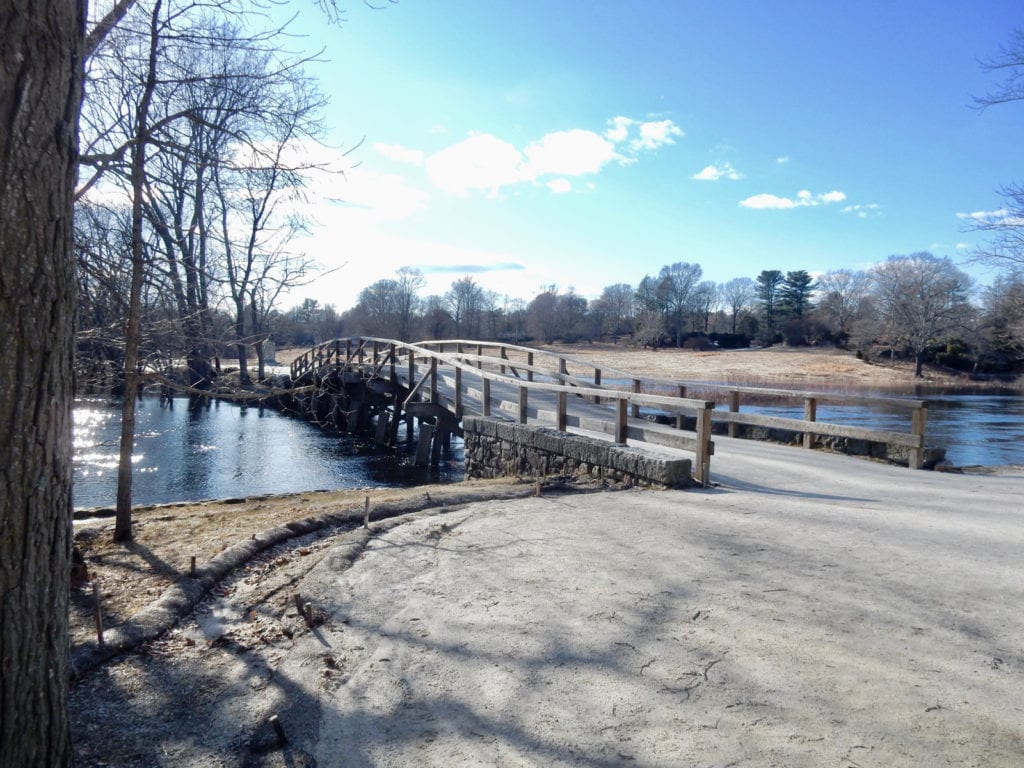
(97,611)
(192,567)
(282,739)
(366,513)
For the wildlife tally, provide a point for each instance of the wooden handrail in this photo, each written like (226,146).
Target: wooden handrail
(509,368)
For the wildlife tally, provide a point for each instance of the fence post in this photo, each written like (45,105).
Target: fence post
(480,353)
(636,407)
(412,371)
(522,404)
(679,416)
(620,421)
(597,383)
(734,407)
(704,444)
(810,414)
(458,391)
(562,421)
(433,379)
(486,406)
(529,362)
(504,356)
(920,420)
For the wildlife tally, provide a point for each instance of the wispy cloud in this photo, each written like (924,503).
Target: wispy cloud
(803,199)
(782,159)
(717,171)
(560,186)
(472,269)
(400,154)
(863,211)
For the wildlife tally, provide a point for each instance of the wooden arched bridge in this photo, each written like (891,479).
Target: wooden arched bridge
(363,383)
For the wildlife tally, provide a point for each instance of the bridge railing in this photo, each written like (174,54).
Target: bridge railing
(578,372)
(513,369)
(540,369)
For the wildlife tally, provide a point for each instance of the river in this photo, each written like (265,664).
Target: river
(221,450)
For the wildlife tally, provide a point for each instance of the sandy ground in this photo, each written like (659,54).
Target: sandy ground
(808,610)
(810,367)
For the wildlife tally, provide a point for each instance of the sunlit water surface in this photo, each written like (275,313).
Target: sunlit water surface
(221,450)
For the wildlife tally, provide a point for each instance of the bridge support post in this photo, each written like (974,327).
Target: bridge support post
(381,436)
(679,416)
(621,406)
(704,444)
(423,446)
(915,458)
(810,414)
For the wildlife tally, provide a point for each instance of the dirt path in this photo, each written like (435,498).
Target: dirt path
(822,612)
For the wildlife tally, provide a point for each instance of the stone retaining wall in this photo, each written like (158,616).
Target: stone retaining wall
(496,448)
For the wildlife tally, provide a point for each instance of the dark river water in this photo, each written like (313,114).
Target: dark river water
(974,428)
(222,450)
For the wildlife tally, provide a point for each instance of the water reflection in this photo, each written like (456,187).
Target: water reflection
(188,451)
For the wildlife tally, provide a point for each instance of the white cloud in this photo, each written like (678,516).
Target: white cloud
(484,162)
(400,154)
(656,134)
(804,199)
(718,171)
(766,201)
(619,129)
(568,153)
(782,159)
(560,186)
(480,162)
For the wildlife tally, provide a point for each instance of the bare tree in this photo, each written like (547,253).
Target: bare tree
(1005,227)
(921,299)
(738,296)
(464,302)
(614,309)
(843,293)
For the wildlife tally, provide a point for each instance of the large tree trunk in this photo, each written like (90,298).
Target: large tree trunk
(40,92)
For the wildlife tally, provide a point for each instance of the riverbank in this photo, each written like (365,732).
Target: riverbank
(794,614)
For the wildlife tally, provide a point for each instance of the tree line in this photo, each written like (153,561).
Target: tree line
(916,307)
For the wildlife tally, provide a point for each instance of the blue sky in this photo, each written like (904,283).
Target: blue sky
(583,144)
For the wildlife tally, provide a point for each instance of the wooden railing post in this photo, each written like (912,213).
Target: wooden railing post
(480,353)
(734,407)
(915,458)
(529,362)
(704,444)
(810,414)
(522,403)
(636,407)
(433,379)
(412,370)
(621,422)
(681,392)
(504,356)
(562,406)
(486,405)
(394,359)
(597,383)
(458,391)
